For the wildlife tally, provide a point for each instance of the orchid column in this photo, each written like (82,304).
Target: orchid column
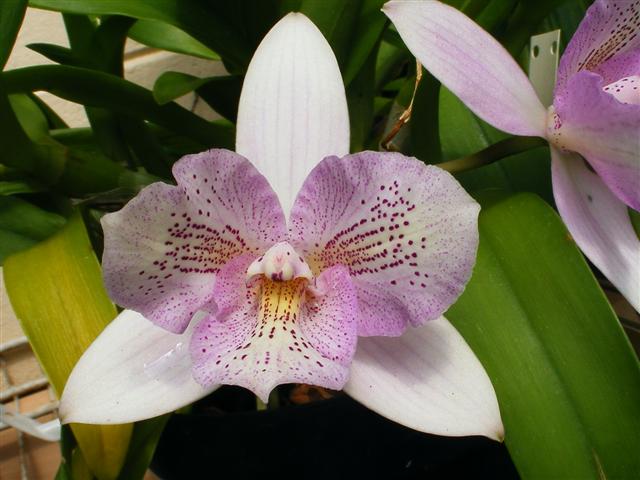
(269,274)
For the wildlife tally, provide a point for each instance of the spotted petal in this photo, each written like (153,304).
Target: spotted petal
(598,222)
(610,28)
(470,63)
(271,332)
(134,370)
(626,89)
(163,249)
(293,108)
(429,380)
(407,232)
(603,130)
(621,66)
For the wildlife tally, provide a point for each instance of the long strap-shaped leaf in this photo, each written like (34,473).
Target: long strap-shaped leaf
(97,89)
(188,15)
(57,293)
(566,377)
(27,147)
(11,15)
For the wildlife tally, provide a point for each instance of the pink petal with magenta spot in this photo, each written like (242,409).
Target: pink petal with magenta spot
(163,249)
(625,90)
(620,66)
(603,130)
(610,28)
(268,333)
(407,232)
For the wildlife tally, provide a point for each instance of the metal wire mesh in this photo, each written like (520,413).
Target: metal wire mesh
(14,394)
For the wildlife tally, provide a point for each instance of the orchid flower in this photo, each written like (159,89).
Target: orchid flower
(223,288)
(595,115)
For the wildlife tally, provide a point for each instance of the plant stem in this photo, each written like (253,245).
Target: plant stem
(492,153)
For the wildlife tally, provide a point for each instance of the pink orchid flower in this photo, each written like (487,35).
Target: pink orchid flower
(595,115)
(223,288)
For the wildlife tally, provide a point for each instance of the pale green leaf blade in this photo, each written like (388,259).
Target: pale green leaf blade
(172,85)
(167,37)
(57,293)
(23,225)
(566,377)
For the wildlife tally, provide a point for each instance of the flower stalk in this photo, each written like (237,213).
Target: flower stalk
(493,153)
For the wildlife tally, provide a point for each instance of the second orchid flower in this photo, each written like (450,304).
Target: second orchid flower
(595,115)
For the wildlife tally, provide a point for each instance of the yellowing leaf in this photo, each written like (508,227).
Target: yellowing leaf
(57,293)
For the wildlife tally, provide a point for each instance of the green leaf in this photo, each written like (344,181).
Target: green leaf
(635,220)
(99,89)
(13,187)
(143,444)
(566,17)
(82,138)
(495,13)
(424,125)
(144,144)
(526,21)
(172,85)
(67,444)
(22,225)
(57,54)
(106,50)
(471,8)
(80,31)
(87,171)
(123,137)
(390,62)
(80,470)
(11,16)
(352,28)
(167,37)
(567,380)
(335,19)
(360,95)
(32,120)
(221,93)
(403,89)
(73,466)
(52,117)
(368,30)
(101,47)
(18,150)
(75,171)
(198,19)
(57,293)
(462,133)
